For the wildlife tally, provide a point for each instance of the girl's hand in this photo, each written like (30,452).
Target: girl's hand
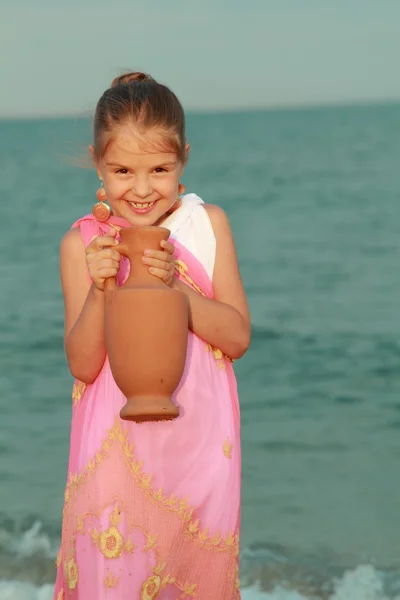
(161,262)
(102,258)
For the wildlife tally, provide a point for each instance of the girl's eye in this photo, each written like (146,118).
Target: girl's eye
(160,170)
(122,171)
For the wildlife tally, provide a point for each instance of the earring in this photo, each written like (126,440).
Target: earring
(181,188)
(100,210)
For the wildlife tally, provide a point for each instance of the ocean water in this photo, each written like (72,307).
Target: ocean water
(313,199)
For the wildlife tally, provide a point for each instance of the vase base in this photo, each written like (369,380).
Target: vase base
(149,408)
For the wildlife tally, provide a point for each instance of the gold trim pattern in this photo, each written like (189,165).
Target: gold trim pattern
(72,573)
(183,270)
(156,583)
(60,595)
(151,587)
(171,503)
(116,227)
(151,542)
(77,391)
(110,541)
(110,580)
(219,357)
(227,448)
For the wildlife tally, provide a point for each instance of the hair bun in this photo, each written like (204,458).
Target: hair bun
(129,77)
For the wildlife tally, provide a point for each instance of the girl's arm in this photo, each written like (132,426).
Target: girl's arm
(84,311)
(224,322)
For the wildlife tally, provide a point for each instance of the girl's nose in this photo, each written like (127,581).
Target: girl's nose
(142,188)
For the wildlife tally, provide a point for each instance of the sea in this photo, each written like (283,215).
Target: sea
(313,197)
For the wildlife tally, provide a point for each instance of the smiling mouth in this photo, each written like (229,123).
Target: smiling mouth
(142,204)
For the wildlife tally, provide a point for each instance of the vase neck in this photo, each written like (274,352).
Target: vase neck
(139,273)
(134,242)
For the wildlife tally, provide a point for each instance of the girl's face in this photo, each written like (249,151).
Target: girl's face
(140,178)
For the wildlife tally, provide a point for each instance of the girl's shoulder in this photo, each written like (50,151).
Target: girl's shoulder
(215,212)
(218,218)
(72,246)
(74,232)
(84,230)
(191,202)
(205,216)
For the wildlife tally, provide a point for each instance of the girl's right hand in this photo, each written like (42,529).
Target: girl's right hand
(102,258)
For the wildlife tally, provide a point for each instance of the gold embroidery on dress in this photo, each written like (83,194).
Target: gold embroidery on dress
(157,582)
(72,573)
(237,580)
(151,542)
(151,587)
(77,391)
(116,227)
(180,507)
(111,542)
(227,448)
(58,559)
(190,589)
(183,269)
(110,580)
(60,595)
(80,526)
(219,357)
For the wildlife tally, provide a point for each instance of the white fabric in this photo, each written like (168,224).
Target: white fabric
(190,225)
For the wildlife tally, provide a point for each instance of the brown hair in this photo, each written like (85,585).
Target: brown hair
(139,98)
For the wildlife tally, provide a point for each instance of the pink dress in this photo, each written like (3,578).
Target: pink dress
(152,510)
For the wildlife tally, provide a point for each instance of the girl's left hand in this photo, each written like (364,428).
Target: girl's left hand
(161,262)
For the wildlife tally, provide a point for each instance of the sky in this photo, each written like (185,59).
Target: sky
(58,56)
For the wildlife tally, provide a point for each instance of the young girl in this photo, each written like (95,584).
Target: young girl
(151,510)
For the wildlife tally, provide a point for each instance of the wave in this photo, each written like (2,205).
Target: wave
(19,590)
(27,557)
(361,583)
(27,571)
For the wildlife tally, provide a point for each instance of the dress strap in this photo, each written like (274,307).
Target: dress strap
(175,221)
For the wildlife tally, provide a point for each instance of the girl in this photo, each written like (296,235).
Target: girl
(151,510)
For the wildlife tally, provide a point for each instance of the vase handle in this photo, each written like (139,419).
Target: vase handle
(110,283)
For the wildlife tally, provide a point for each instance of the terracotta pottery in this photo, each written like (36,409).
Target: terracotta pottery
(146,332)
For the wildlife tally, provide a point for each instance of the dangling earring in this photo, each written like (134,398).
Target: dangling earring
(100,210)
(181,188)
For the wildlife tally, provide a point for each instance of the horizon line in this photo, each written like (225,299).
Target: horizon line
(353,103)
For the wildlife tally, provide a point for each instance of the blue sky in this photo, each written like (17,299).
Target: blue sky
(58,56)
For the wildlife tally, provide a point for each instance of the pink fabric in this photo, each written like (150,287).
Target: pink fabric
(152,510)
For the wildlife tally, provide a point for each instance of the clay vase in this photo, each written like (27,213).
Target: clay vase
(146,332)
